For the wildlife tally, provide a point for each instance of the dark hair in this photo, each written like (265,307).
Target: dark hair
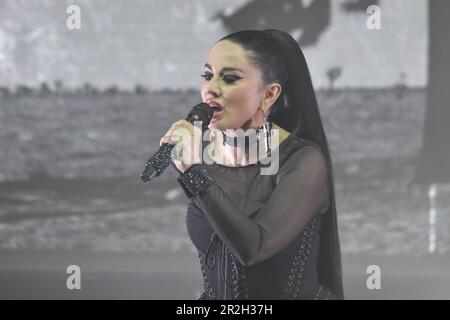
(281,60)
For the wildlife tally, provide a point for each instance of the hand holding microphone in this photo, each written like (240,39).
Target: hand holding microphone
(161,159)
(187,140)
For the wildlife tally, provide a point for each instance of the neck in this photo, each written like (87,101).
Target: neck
(231,155)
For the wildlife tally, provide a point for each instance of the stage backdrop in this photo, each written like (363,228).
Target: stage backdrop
(82,110)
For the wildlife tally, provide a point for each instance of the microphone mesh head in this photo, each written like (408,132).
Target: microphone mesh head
(201,112)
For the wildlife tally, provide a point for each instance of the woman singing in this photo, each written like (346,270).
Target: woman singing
(262,236)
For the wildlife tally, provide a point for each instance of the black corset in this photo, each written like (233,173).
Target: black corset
(225,278)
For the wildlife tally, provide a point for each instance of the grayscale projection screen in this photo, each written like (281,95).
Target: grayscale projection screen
(88,88)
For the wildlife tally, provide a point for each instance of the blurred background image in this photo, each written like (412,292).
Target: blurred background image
(87,89)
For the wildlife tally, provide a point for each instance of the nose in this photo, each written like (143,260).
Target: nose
(210,90)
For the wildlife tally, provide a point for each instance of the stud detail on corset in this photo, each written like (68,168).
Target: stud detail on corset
(293,284)
(208,293)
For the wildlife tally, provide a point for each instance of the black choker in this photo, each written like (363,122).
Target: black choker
(264,132)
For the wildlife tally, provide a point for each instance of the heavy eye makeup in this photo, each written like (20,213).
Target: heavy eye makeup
(227,78)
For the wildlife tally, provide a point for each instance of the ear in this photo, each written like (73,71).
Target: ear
(271,94)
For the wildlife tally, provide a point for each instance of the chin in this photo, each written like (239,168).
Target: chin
(215,126)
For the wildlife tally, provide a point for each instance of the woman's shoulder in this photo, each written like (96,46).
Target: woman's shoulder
(296,147)
(300,153)
(305,160)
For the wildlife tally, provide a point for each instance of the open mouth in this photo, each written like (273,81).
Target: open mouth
(216,108)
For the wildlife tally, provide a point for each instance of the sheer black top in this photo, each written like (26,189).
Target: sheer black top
(257,236)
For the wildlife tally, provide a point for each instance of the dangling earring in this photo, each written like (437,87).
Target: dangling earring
(265,132)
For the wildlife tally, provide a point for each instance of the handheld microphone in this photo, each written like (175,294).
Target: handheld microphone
(161,159)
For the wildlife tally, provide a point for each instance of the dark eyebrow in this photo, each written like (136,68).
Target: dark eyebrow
(225,68)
